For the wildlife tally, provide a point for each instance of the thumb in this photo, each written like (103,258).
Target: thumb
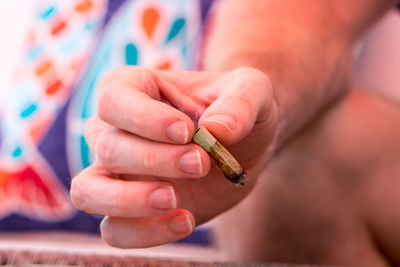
(246,101)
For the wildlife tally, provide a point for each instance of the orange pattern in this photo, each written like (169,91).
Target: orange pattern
(43,68)
(84,6)
(39,128)
(166,65)
(149,21)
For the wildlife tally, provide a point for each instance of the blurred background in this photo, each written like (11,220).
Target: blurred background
(14,20)
(377,56)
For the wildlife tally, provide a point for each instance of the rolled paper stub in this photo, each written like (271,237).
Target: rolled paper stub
(225,161)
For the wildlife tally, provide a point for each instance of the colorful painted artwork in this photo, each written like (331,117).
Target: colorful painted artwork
(72,44)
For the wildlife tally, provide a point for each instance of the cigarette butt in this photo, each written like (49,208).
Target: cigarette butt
(225,161)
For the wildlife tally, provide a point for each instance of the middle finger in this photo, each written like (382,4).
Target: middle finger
(122,152)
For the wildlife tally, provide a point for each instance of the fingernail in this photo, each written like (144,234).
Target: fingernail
(181,224)
(191,162)
(163,198)
(226,121)
(178,132)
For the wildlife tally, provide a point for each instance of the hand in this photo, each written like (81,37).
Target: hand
(330,196)
(148,179)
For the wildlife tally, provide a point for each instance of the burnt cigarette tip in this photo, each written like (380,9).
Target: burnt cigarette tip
(240,180)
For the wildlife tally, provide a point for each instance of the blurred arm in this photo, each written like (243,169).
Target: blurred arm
(303,46)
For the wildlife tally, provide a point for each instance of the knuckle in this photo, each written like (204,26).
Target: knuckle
(109,98)
(250,72)
(107,78)
(150,161)
(149,85)
(113,75)
(107,85)
(90,125)
(104,150)
(254,75)
(105,104)
(91,131)
(254,82)
(77,193)
(123,201)
(126,70)
(245,72)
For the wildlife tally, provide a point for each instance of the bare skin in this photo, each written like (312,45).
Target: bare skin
(146,155)
(330,197)
(293,72)
(303,46)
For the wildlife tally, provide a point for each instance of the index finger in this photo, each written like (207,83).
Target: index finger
(129,99)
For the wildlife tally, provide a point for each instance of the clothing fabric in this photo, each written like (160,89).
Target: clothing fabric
(72,44)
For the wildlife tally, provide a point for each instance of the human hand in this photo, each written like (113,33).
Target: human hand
(148,179)
(336,182)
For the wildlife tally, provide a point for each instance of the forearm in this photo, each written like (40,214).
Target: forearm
(301,209)
(303,46)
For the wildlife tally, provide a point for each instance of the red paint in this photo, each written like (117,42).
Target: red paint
(58,27)
(54,87)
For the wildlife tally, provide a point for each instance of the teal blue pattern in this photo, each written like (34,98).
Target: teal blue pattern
(48,13)
(176,28)
(131,54)
(17,152)
(85,154)
(34,53)
(29,111)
